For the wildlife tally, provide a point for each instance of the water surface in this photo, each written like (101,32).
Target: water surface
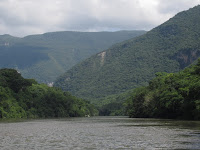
(99,133)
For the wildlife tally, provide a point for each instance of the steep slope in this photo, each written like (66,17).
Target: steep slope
(169,95)
(45,57)
(167,48)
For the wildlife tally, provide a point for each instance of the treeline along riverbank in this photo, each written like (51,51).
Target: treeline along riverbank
(169,95)
(25,98)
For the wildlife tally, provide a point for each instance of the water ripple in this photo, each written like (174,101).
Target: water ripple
(99,133)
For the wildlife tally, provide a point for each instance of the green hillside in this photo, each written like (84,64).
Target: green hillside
(25,98)
(44,57)
(167,48)
(169,95)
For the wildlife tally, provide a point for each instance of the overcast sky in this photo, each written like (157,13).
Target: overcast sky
(25,17)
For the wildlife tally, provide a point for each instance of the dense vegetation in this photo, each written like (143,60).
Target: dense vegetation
(113,105)
(169,95)
(45,57)
(169,47)
(25,98)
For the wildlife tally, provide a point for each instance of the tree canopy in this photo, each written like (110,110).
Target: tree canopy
(169,95)
(25,98)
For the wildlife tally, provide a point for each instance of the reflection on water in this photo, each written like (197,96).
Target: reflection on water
(100,133)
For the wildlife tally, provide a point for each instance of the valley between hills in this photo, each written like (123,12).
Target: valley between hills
(136,73)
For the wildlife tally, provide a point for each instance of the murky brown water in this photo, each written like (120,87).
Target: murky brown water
(99,133)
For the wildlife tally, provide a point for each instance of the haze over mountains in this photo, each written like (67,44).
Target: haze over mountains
(44,57)
(169,47)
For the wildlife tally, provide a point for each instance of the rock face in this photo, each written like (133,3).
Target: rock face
(186,57)
(169,47)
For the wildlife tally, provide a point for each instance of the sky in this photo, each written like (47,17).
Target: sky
(25,17)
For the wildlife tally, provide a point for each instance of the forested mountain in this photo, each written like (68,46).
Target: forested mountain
(169,47)
(25,98)
(169,95)
(44,57)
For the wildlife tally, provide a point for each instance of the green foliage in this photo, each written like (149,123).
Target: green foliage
(167,48)
(112,109)
(172,95)
(12,79)
(113,105)
(25,98)
(45,57)
(10,109)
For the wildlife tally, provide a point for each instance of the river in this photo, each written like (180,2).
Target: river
(99,133)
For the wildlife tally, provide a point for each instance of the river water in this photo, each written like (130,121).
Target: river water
(99,133)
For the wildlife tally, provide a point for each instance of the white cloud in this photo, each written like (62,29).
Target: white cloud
(23,17)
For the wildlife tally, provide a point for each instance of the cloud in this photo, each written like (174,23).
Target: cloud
(172,7)
(23,17)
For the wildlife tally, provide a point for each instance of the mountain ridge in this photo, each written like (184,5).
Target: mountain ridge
(167,48)
(49,55)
